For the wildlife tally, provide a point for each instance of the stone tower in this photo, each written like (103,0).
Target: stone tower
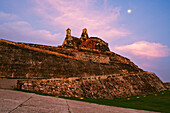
(68,32)
(84,35)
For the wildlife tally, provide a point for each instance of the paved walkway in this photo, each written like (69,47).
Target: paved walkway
(21,102)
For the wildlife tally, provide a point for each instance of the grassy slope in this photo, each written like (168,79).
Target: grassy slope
(153,102)
(159,102)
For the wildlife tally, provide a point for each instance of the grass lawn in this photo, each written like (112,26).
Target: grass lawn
(159,102)
(153,102)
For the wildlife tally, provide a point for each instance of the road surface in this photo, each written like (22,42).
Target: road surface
(21,102)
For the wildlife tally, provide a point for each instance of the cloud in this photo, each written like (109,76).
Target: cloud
(58,15)
(100,20)
(145,49)
(7,17)
(22,31)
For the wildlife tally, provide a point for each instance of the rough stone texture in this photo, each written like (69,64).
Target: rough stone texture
(107,86)
(94,43)
(124,78)
(21,102)
(84,42)
(167,85)
(90,57)
(71,42)
(21,60)
(84,35)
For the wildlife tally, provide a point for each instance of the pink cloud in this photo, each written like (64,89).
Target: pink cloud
(145,49)
(78,14)
(22,31)
(6,16)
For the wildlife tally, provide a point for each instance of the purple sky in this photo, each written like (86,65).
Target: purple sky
(141,34)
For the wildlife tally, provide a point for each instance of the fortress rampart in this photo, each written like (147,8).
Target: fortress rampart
(105,86)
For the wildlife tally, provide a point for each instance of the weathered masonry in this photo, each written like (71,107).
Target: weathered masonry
(105,86)
(84,42)
(81,67)
(24,60)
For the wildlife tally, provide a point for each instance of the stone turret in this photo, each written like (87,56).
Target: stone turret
(68,32)
(84,35)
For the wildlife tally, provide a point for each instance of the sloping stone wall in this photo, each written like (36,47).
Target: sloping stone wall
(108,86)
(24,61)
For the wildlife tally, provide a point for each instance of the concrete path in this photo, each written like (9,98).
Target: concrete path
(21,102)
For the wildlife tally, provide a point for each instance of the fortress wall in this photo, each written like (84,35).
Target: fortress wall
(106,86)
(26,62)
(91,57)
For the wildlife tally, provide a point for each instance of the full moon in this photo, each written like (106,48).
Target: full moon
(129,11)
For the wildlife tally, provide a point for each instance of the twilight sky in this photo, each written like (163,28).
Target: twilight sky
(136,29)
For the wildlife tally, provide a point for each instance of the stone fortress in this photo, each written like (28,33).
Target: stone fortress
(81,67)
(84,42)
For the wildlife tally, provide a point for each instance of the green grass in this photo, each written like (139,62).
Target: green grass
(153,102)
(159,102)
